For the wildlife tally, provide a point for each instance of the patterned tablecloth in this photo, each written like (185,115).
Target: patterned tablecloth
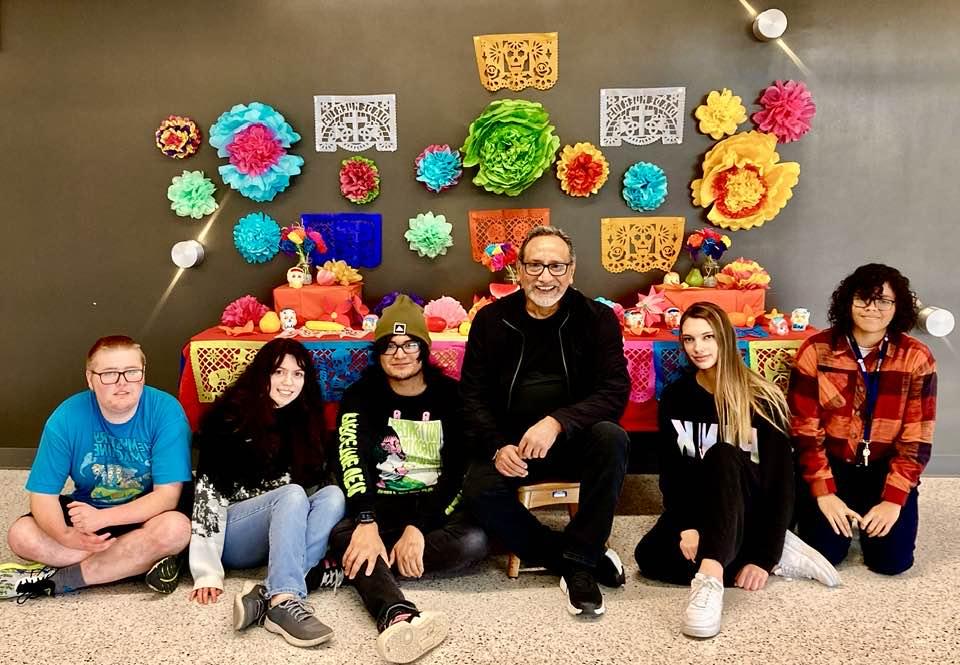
(212,360)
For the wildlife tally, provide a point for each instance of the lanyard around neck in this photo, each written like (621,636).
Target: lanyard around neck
(871,382)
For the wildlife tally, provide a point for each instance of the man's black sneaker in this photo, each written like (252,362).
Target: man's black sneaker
(249,606)
(610,571)
(164,576)
(582,593)
(328,574)
(24,581)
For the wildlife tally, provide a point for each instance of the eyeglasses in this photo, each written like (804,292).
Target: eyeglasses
(409,347)
(555,269)
(112,376)
(883,304)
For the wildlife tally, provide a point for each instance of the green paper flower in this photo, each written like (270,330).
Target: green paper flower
(513,143)
(429,234)
(192,195)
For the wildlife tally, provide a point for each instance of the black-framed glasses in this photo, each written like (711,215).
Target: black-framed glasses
(883,304)
(112,376)
(409,347)
(555,269)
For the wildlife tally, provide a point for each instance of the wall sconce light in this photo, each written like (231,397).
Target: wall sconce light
(187,254)
(934,320)
(769,24)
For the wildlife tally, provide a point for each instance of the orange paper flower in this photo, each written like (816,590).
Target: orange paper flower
(743,274)
(582,169)
(744,181)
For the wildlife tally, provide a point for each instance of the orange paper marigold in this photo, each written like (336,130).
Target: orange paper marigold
(721,114)
(582,169)
(744,181)
(743,274)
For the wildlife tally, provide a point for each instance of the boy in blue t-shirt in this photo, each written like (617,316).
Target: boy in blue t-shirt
(126,446)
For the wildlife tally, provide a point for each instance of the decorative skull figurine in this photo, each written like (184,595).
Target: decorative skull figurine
(799,319)
(370,322)
(778,326)
(288,319)
(295,277)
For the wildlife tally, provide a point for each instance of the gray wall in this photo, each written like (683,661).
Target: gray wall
(85,83)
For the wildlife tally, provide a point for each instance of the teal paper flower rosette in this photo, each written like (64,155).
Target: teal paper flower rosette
(257,237)
(191,195)
(512,143)
(644,186)
(429,235)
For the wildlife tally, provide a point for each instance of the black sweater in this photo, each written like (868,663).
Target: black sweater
(689,408)
(401,457)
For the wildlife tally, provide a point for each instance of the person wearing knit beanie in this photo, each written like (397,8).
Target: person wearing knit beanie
(403,317)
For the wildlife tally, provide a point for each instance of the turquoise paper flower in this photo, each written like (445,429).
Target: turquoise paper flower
(255,138)
(438,167)
(644,186)
(191,195)
(257,237)
(429,235)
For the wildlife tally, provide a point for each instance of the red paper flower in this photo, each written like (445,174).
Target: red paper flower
(359,180)
(243,310)
(582,169)
(787,110)
(255,149)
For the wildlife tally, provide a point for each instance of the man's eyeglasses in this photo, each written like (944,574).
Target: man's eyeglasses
(112,376)
(883,304)
(536,269)
(409,347)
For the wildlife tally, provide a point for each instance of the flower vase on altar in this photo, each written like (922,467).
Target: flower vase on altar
(497,257)
(709,270)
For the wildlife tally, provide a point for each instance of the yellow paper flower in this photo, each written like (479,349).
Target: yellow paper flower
(344,273)
(721,114)
(295,237)
(582,169)
(744,181)
(743,274)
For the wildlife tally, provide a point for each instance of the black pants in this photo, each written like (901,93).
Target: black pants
(860,488)
(728,511)
(449,549)
(597,459)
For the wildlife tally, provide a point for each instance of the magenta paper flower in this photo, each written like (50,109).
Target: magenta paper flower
(255,149)
(787,110)
(242,310)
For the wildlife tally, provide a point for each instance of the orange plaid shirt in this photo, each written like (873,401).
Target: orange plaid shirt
(827,396)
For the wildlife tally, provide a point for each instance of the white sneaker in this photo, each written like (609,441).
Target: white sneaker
(701,618)
(800,561)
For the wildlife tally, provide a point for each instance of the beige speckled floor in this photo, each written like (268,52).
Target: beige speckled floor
(910,619)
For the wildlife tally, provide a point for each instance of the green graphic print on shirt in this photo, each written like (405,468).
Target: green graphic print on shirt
(408,457)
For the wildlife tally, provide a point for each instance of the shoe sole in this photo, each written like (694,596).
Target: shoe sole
(587,612)
(701,632)
(164,576)
(824,571)
(290,639)
(239,610)
(407,641)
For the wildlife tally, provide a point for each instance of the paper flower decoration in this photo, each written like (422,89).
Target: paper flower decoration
(743,274)
(615,306)
(787,110)
(499,256)
(391,297)
(178,137)
(243,310)
(256,138)
(429,234)
(305,244)
(439,167)
(448,309)
(582,169)
(191,195)
(744,181)
(721,114)
(344,273)
(512,142)
(644,186)
(257,237)
(709,242)
(651,306)
(359,180)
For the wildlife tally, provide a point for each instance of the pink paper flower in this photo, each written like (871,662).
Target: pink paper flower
(255,149)
(242,310)
(652,306)
(447,309)
(787,110)
(359,180)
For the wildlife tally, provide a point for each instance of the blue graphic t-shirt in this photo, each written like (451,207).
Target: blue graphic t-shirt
(110,463)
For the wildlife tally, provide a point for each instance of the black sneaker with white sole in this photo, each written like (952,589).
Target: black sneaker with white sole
(582,593)
(164,575)
(610,571)
(249,606)
(294,621)
(328,574)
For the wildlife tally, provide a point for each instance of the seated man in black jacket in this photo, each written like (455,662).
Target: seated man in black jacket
(402,460)
(544,383)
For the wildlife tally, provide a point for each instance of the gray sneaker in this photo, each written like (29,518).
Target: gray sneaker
(249,606)
(407,640)
(295,622)
(25,580)
(800,561)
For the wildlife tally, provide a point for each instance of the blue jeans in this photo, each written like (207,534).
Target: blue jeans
(284,529)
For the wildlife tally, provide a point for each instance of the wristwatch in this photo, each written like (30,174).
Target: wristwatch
(365,517)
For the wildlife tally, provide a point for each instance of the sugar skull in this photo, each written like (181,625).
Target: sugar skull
(671,317)
(370,322)
(288,319)
(799,319)
(295,277)
(778,326)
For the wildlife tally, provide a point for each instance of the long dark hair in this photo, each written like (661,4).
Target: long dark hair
(866,283)
(244,432)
